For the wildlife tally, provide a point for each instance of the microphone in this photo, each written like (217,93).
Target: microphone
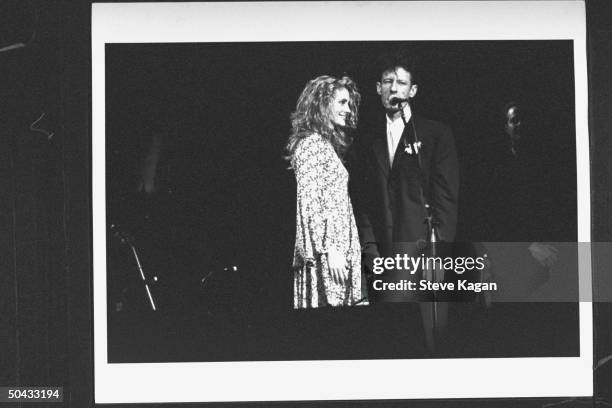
(396,101)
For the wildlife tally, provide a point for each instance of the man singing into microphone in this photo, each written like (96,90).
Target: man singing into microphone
(405,163)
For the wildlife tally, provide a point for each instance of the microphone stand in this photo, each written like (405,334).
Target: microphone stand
(432,239)
(126,239)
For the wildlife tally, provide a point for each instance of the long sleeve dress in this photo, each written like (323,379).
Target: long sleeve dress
(324,219)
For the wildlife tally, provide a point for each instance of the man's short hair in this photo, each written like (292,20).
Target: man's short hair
(400,58)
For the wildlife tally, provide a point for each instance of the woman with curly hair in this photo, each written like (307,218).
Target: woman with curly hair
(327,256)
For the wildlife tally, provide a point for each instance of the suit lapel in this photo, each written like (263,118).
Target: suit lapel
(381,151)
(401,146)
(406,139)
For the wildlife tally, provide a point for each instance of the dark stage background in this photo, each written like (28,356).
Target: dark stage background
(45,235)
(219,116)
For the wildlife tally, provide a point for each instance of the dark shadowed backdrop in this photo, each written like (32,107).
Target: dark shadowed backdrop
(218,116)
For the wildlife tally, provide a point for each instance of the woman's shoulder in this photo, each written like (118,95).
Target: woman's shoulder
(312,149)
(312,138)
(311,142)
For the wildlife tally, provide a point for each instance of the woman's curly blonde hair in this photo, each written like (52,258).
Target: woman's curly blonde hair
(313,113)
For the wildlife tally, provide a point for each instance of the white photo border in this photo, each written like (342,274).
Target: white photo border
(337,379)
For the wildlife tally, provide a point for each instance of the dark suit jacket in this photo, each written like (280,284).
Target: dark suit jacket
(387,201)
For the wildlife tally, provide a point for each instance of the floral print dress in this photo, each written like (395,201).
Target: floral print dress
(324,219)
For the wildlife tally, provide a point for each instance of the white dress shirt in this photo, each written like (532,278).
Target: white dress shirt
(395,128)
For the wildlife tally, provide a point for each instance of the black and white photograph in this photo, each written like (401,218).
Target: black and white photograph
(201,167)
(322,203)
(259,193)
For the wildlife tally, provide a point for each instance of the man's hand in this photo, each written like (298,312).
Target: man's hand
(368,253)
(545,254)
(336,263)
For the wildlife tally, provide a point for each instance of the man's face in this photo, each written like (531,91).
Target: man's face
(513,123)
(396,83)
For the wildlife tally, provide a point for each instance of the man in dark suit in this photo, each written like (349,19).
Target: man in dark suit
(401,168)
(403,163)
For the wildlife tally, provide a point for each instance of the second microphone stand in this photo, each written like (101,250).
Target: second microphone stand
(432,323)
